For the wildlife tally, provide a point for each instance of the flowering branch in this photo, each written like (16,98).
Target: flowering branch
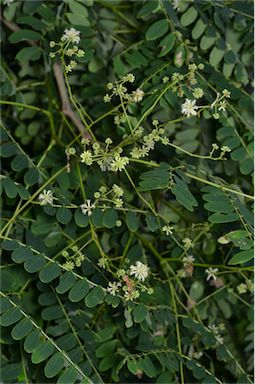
(66,106)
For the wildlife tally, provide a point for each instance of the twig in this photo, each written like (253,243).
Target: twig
(57,70)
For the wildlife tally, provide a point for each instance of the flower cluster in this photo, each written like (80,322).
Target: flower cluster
(67,47)
(109,159)
(130,287)
(146,143)
(74,260)
(220,103)
(119,89)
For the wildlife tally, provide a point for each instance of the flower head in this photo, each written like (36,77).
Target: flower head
(86,157)
(188,260)
(189,108)
(119,163)
(138,95)
(71,35)
(198,93)
(46,197)
(87,207)
(139,270)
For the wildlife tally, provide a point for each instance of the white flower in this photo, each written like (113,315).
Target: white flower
(86,157)
(7,2)
(188,260)
(138,95)
(189,108)
(71,35)
(107,98)
(140,270)
(211,273)
(167,229)
(87,207)
(226,148)
(242,288)
(46,197)
(223,105)
(226,93)
(187,243)
(119,163)
(113,288)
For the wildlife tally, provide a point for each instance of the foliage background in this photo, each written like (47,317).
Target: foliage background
(61,326)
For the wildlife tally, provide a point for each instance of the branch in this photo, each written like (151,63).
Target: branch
(57,70)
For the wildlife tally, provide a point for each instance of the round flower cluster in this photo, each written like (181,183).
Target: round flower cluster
(147,142)
(74,260)
(68,47)
(107,158)
(131,288)
(119,89)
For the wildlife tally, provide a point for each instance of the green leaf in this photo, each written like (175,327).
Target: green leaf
(29,53)
(198,29)
(97,217)
(156,179)
(22,329)
(95,297)
(139,313)
(242,257)
(52,312)
(64,215)
(189,17)
(80,219)
(133,366)
(69,376)
(196,290)
(24,34)
(11,372)
(34,264)
(42,352)
(31,176)
(132,221)
(19,163)
(110,217)
(167,44)
(157,29)
(54,365)
(218,218)
(147,366)
(151,221)
(20,254)
(10,317)
(148,8)
(79,291)
(106,348)
(216,56)
(32,341)
(49,272)
(77,8)
(66,281)
(183,195)
(76,19)
(10,187)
